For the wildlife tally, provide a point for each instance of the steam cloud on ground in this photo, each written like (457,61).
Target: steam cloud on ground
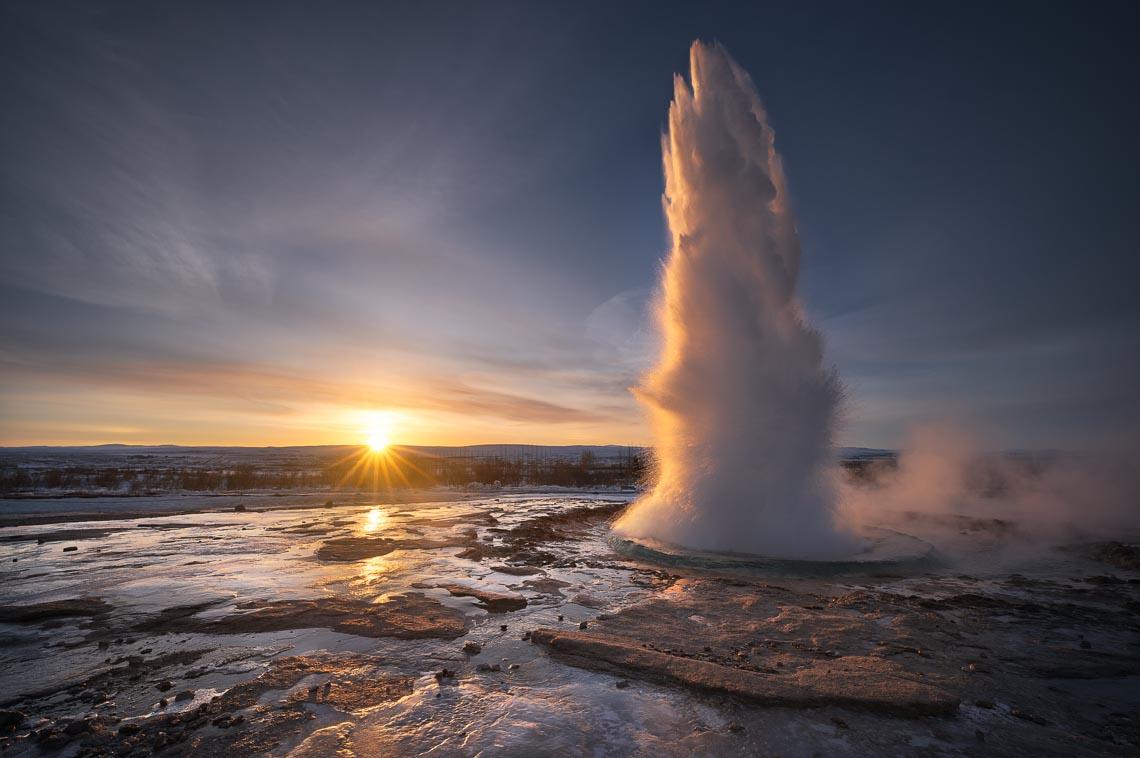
(949,470)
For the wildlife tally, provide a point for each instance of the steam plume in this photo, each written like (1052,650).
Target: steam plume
(741,408)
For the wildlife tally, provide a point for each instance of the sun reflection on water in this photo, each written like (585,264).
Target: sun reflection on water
(375,520)
(381,568)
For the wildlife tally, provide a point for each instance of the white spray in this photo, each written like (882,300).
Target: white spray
(741,409)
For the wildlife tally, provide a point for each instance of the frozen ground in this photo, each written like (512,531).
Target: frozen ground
(401,628)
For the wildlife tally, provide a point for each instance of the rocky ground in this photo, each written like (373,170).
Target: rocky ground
(511,626)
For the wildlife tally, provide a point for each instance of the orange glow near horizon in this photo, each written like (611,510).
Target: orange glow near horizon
(107,418)
(378,431)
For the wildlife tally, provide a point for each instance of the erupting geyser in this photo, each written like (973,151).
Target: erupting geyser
(742,409)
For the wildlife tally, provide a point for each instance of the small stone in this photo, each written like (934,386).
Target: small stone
(184,695)
(513,666)
(708,649)
(622,684)
(164,685)
(472,648)
(77,727)
(162,703)
(735,727)
(239,508)
(502,627)
(526,636)
(71,549)
(583,625)
(129,729)
(561,617)
(329,503)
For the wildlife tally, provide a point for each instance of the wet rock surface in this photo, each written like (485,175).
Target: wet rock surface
(360,548)
(495,602)
(1118,554)
(508,625)
(406,617)
(859,682)
(771,643)
(54,609)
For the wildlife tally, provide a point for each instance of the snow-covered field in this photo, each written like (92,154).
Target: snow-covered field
(395,628)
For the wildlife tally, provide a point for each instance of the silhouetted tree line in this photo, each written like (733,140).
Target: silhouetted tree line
(381,472)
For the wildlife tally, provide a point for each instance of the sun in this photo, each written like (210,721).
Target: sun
(378,432)
(377,440)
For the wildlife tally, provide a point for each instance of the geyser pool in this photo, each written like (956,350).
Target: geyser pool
(882,549)
(741,407)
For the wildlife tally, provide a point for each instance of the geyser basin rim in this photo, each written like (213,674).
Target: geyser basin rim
(887,547)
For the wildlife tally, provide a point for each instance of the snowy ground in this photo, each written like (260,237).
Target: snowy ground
(311,630)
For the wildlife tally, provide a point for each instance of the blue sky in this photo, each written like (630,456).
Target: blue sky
(267,223)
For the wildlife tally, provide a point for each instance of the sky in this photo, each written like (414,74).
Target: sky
(288,223)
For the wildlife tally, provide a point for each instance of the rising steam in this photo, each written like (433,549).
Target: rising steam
(742,410)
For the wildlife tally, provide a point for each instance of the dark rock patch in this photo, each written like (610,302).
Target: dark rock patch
(482,518)
(64,535)
(10,721)
(502,568)
(175,619)
(1118,554)
(55,609)
(525,543)
(411,616)
(546,586)
(495,602)
(362,548)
